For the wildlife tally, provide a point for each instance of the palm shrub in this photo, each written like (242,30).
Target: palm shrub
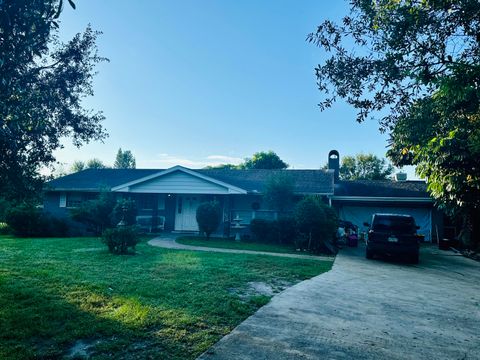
(208,217)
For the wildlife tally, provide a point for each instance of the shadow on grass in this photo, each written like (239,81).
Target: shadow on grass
(41,323)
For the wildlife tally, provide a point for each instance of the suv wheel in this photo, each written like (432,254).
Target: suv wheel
(368,254)
(414,258)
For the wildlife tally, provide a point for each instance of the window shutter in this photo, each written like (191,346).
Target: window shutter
(63,200)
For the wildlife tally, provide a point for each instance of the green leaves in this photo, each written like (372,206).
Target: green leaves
(43,83)
(365,167)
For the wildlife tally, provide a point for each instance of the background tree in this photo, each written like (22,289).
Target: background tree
(365,167)
(279,190)
(77,166)
(124,160)
(264,160)
(259,160)
(42,84)
(208,217)
(414,65)
(95,164)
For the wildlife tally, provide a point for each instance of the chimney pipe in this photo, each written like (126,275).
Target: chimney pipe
(334,164)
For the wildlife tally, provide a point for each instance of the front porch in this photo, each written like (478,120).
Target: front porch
(177,212)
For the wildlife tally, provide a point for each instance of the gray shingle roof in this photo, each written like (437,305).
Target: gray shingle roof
(306,181)
(380,188)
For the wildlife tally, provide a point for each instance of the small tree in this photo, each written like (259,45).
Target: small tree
(279,191)
(126,210)
(208,217)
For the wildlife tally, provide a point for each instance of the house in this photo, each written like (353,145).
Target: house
(168,199)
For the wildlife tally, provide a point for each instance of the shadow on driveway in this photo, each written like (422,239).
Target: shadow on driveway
(368,309)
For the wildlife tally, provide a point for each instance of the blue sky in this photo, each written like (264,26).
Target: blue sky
(199,83)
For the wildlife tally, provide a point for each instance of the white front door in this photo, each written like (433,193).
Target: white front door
(186,214)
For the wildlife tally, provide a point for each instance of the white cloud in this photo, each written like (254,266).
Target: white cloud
(163,161)
(225,159)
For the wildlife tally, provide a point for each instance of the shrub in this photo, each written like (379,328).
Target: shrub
(208,217)
(24,220)
(51,226)
(119,239)
(287,230)
(315,221)
(260,229)
(4,228)
(281,231)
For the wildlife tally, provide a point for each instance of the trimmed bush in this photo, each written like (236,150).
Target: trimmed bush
(208,217)
(119,239)
(260,229)
(25,220)
(287,230)
(281,231)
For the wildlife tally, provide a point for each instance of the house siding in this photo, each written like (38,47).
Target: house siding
(180,183)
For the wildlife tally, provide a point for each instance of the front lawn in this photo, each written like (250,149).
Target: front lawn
(68,297)
(237,245)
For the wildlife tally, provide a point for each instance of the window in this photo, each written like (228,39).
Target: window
(161,202)
(74,200)
(145,202)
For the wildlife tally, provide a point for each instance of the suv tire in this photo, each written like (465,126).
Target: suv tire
(368,254)
(415,258)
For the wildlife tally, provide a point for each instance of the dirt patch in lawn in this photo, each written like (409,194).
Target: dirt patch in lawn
(260,288)
(82,348)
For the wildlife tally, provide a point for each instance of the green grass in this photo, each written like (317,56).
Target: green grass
(158,303)
(237,245)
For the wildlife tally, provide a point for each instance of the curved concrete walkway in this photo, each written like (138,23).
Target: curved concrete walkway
(170,243)
(368,309)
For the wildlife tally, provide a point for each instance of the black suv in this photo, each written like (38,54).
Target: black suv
(392,234)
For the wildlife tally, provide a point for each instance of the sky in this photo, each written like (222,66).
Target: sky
(199,83)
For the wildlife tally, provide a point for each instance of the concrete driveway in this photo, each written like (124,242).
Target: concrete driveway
(368,309)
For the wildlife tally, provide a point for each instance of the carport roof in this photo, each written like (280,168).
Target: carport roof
(382,188)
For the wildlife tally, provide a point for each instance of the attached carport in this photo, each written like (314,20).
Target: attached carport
(357,201)
(361,212)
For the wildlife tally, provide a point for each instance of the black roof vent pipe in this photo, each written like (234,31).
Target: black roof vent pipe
(334,164)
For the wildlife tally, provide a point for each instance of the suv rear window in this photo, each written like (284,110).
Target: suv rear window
(394,223)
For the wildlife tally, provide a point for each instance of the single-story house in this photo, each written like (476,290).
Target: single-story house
(167,199)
